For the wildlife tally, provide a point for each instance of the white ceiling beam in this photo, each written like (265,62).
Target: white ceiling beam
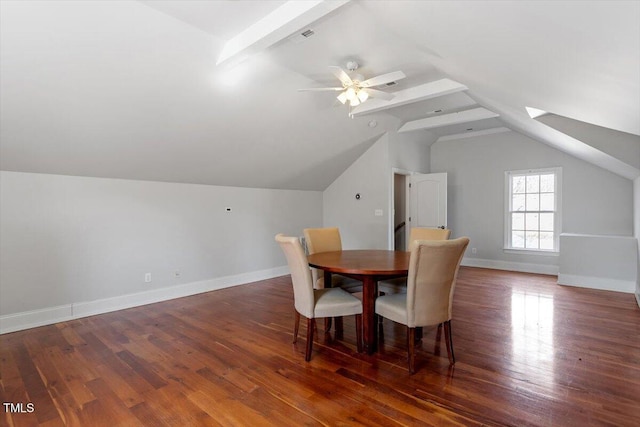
(473,134)
(449,119)
(279,24)
(413,94)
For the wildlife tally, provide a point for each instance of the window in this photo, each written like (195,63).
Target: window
(533,210)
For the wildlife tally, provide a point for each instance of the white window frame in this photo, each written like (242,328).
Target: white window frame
(557,223)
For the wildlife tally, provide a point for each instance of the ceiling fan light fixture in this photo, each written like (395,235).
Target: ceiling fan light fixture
(363,95)
(351,94)
(354,89)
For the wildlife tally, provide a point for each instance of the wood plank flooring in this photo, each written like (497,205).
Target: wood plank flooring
(529,353)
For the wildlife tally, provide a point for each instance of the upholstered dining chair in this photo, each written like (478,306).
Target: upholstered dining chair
(433,270)
(399,285)
(328,240)
(316,303)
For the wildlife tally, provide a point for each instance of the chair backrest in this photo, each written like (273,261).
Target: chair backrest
(300,274)
(433,270)
(321,240)
(421,233)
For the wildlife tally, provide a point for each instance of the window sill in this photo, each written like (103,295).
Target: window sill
(531,252)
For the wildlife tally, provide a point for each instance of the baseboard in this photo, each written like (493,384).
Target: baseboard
(511,266)
(50,315)
(34,318)
(604,284)
(638,299)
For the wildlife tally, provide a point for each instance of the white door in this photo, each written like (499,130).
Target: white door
(427,201)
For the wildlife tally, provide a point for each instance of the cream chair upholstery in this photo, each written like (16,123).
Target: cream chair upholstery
(394,286)
(314,303)
(433,270)
(421,233)
(328,240)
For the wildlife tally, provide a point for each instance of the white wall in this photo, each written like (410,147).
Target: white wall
(67,240)
(595,201)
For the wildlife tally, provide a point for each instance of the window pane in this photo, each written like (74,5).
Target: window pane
(533,207)
(517,239)
(547,183)
(546,240)
(533,184)
(517,184)
(517,203)
(546,222)
(517,221)
(532,240)
(547,202)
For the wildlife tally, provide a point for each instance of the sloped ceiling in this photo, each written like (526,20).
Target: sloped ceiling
(130,89)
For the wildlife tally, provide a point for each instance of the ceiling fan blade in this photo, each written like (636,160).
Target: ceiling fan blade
(341,75)
(321,89)
(374,93)
(383,79)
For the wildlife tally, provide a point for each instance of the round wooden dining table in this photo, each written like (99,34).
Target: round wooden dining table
(367,266)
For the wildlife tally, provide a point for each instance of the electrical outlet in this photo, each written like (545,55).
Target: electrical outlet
(474,250)
(147,278)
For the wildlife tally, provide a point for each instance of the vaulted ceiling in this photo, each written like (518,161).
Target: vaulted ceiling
(131,89)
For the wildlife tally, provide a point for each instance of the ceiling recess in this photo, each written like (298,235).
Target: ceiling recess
(308,33)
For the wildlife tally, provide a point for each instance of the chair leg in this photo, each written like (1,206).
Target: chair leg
(327,324)
(411,348)
(418,333)
(359,332)
(296,326)
(311,323)
(439,332)
(339,328)
(449,341)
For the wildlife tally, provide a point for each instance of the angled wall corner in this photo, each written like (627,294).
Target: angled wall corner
(368,176)
(599,262)
(636,230)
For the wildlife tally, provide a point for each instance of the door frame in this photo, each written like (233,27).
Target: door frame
(391,225)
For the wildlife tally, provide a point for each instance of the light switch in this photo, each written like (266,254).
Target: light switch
(378,212)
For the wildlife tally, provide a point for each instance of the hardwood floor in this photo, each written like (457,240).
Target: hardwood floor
(529,352)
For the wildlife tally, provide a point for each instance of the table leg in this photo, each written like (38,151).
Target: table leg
(369,317)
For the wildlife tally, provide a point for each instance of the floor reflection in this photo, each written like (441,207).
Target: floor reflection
(532,332)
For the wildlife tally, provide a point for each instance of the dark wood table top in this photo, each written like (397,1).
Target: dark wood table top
(363,262)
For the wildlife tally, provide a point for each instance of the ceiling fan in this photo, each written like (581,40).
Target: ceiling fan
(355,89)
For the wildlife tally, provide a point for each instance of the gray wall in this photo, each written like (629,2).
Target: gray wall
(594,201)
(621,145)
(636,229)
(72,239)
(368,176)
(371,176)
(411,151)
